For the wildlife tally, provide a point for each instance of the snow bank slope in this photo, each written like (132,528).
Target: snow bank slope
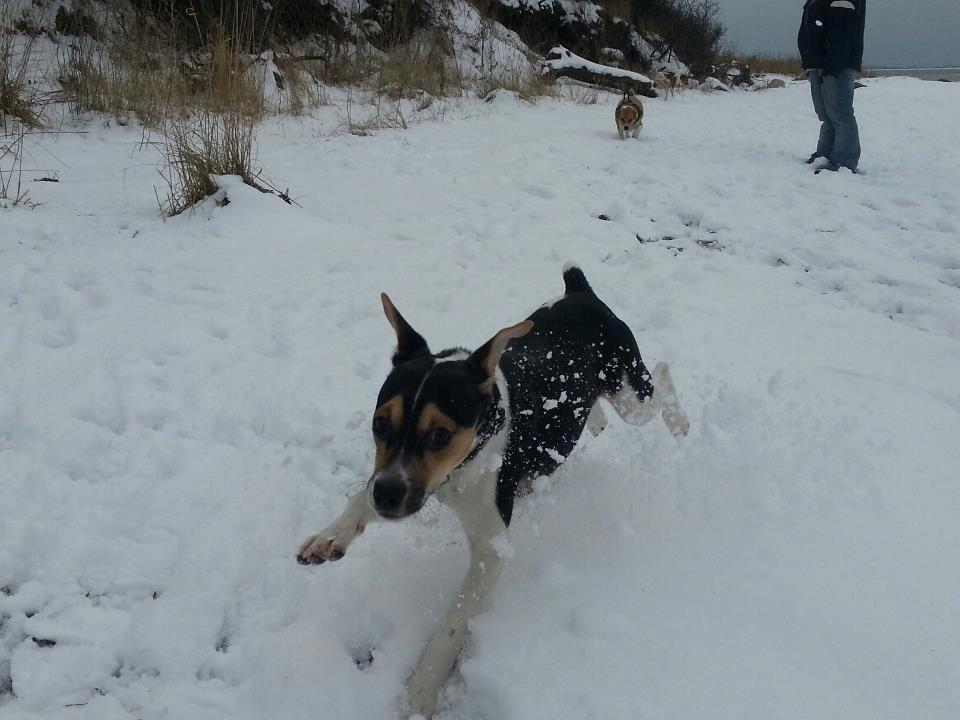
(182,402)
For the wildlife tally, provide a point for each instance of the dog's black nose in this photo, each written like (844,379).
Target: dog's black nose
(388,493)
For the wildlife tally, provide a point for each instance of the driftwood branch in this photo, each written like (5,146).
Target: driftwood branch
(563,63)
(606,81)
(302,58)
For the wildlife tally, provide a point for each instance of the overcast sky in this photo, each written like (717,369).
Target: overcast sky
(900,33)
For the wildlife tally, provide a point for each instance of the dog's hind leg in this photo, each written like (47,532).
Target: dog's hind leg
(596,420)
(637,406)
(476,508)
(331,543)
(673,415)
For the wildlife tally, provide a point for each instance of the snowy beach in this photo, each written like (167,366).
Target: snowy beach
(182,401)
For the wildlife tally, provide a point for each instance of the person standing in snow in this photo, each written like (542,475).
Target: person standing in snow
(831,49)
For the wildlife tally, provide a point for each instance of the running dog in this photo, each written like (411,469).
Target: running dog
(629,116)
(473,428)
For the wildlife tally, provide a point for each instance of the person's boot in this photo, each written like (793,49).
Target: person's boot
(825,164)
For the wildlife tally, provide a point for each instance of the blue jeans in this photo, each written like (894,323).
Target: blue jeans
(833,101)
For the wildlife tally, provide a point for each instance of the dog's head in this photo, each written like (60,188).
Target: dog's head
(427,415)
(629,112)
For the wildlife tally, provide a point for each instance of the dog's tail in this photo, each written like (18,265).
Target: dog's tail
(574,280)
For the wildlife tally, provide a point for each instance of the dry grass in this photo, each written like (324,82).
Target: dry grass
(775,64)
(580,94)
(12,142)
(93,82)
(421,65)
(22,102)
(301,88)
(528,84)
(19,93)
(218,138)
(138,76)
(381,114)
(200,147)
(226,81)
(343,64)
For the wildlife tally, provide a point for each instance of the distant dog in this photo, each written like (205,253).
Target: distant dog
(668,82)
(473,427)
(629,116)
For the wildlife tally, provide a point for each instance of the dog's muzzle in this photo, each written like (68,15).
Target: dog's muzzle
(393,495)
(389,492)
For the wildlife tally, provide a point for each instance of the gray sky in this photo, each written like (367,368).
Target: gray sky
(900,33)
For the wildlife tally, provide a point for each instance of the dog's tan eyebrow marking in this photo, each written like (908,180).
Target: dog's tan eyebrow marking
(433,467)
(431,416)
(392,409)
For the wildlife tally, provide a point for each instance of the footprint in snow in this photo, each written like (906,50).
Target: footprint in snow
(538,191)
(58,335)
(216,329)
(363,657)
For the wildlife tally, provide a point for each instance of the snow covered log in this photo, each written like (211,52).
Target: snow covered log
(563,63)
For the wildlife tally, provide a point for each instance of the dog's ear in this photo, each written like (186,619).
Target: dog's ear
(409,341)
(488,355)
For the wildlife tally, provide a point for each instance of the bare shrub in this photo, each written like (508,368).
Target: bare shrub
(384,115)
(19,90)
(218,137)
(11,167)
(300,87)
(200,147)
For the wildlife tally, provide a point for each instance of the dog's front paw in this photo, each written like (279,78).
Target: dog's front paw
(317,549)
(331,544)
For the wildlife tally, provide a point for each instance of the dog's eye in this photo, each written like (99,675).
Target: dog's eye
(381,427)
(438,438)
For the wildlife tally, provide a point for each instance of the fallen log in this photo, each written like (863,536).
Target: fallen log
(563,63)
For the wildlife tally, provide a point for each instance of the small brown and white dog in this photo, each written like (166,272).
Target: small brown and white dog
(668,82)
(629,116)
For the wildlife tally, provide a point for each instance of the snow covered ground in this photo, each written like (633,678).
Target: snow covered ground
(182,402)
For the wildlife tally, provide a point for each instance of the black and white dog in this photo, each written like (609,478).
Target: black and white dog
(475,427)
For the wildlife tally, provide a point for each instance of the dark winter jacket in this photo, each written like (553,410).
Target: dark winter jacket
(831,34)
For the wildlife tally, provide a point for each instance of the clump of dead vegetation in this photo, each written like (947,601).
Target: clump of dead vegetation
(23,99)
(21,96)
(769,64)
(214,131)
(199,148)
